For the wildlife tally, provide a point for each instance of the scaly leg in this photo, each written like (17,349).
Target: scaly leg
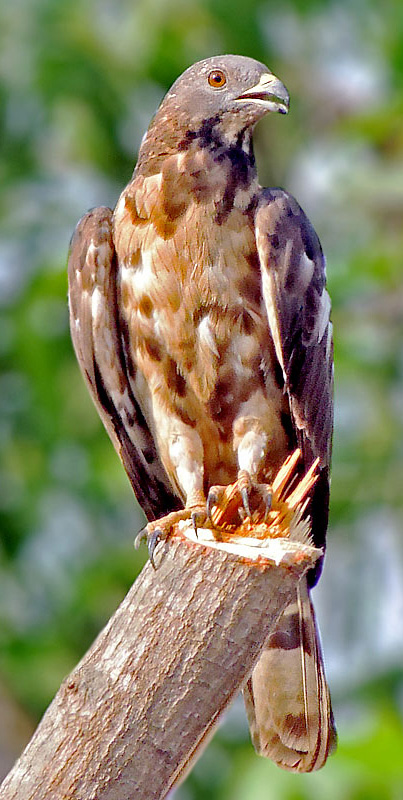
(251,443)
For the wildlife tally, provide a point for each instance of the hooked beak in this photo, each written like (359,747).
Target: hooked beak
(269,92)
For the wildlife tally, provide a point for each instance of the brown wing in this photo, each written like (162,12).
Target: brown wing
(97,340)
(298,309)
(287,698)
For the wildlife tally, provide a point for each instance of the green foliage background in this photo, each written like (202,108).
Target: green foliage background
(79,81)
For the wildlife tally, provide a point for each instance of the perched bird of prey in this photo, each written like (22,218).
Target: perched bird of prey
(200,319)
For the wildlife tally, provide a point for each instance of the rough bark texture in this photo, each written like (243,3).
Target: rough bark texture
(127,721)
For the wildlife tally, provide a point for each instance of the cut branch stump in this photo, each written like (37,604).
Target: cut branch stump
(135,712)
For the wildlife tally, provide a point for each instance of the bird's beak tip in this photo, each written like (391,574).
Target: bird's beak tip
(270,92)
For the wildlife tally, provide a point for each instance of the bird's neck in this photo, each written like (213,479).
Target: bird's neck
(211,166)
(221,139)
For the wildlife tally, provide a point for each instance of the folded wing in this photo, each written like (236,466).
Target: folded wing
(99,345)
(287,698)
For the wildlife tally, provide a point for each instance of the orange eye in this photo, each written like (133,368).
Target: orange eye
(217,79)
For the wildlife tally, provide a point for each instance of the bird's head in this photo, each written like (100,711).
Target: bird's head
(235,85)
(235,91)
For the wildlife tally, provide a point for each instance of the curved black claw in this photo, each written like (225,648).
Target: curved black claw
(245,500)
(152,542)
(212,501)
(194,515)
(267,505)
(141,537)
(198,517)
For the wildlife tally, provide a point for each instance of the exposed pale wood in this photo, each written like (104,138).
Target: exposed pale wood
(132,715)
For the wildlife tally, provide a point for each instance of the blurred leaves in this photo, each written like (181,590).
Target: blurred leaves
(79,81)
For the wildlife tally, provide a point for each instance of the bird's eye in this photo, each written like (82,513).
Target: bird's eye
(217,79)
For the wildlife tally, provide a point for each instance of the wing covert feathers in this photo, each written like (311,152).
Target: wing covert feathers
(298,310)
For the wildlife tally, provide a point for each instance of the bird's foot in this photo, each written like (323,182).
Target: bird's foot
(244,498)
(160,529)
(254,495)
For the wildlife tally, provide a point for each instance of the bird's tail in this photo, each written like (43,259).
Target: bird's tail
(287,698)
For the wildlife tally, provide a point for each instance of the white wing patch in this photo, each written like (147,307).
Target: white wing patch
(271,308)
(323,315)
(96,303)
(306,268)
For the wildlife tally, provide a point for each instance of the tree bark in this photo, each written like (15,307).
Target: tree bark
(140,705)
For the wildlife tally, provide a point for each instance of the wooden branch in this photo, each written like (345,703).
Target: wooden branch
(133,714)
